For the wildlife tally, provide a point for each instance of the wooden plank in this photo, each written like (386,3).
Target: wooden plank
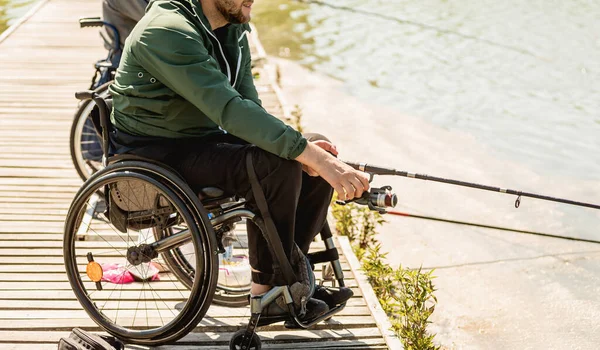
(33,156)
(198,337)
(37,214)
(34,208)
(209,324)
(11,236)
(29,218)
(35,195)
(37,188)
(37,173)
(73,304)
(12,227)
(380,317)
(36,150)
(8,200)
(47,124)
(57,91)
(58,183)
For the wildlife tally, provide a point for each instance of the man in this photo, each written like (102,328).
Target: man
(184,95)
(124,15)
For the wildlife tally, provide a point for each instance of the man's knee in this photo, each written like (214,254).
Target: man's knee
(313,136)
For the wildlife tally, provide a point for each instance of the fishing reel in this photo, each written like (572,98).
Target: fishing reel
(377,199)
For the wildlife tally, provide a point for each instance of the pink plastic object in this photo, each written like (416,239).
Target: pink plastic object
(118,274)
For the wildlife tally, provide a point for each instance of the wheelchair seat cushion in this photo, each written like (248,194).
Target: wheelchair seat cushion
(210,193)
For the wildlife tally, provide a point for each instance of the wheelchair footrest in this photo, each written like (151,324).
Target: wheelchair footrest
(295,323)
(267,320)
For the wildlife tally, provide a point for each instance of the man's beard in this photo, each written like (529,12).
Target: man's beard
(231,14)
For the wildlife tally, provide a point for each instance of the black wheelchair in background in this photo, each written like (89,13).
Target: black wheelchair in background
(84,143)
(139,217)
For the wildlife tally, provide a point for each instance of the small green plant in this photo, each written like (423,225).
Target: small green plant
(406,296)
(358,223)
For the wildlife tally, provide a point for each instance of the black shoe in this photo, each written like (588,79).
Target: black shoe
(273,313)
(315,308)
(333,296)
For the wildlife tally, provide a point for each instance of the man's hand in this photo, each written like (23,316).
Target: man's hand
(327,146)
(345,180)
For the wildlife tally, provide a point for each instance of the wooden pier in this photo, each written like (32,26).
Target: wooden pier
(44,59)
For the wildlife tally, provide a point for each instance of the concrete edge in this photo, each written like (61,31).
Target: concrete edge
(22,20)
(271,73)
(383,323)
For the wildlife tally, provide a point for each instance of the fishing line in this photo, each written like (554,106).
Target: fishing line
(421,25)
(408,215)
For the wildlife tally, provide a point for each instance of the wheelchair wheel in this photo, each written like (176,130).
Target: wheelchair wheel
(237,341)
(235,274)
(233,285)
(84,142)
(105,249)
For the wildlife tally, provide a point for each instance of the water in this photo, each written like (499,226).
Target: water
(12,10)
(522,77)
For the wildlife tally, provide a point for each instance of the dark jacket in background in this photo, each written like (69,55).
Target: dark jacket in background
(124,15)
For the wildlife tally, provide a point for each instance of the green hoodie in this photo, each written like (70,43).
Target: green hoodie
(170,84)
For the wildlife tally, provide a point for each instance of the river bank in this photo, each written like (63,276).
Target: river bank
(496,289)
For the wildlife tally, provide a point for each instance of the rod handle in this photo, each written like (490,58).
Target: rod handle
(367,168)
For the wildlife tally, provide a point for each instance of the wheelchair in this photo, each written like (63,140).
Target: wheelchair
(139,217)
(86,154)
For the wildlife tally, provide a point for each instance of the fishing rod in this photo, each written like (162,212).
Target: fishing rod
(381,193)
(382,198)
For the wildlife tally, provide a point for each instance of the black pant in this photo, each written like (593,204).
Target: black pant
(297,202)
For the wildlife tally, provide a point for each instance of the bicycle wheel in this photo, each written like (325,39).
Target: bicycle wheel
(84,143)
(233,285)
(154,307)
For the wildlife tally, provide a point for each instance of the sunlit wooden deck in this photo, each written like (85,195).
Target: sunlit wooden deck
(43,61)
